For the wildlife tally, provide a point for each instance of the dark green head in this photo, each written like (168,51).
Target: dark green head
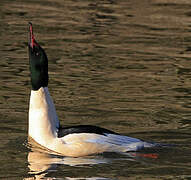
(38,62)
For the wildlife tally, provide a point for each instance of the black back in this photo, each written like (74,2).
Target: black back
(83,129)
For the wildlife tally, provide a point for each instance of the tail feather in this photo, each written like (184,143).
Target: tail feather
(133,144)
(120,143)
(124,142)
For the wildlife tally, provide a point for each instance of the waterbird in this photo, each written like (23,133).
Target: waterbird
(44,126)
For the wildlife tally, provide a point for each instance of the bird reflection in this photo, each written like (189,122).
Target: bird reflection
(41,161)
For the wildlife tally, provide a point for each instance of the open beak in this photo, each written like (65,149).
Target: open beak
(31,36)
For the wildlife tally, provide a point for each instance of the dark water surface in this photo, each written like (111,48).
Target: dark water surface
(123,65)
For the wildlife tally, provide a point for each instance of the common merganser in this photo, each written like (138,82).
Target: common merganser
(44,126)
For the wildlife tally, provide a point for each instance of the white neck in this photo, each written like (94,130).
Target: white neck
(43,121)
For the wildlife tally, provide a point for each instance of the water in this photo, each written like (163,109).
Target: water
(122,65)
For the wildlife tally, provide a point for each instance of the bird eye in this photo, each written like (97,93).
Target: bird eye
(37,54)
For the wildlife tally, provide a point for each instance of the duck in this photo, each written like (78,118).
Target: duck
(44,126)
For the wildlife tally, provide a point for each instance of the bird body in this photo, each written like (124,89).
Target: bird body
(44,128)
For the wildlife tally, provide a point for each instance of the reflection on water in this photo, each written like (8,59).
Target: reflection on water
(41,163)
(122,65)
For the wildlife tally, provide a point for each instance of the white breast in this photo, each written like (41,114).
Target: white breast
(43,121)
